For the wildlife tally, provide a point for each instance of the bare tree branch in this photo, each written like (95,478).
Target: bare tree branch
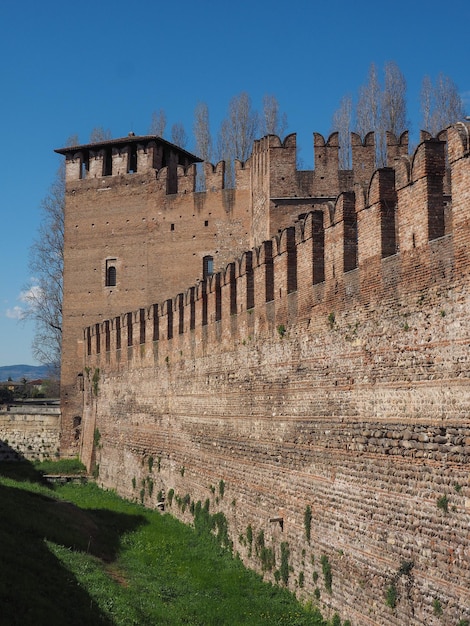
(342,125)
(158,124)
(178,135)
(441,104)
(273,122)
(237,133)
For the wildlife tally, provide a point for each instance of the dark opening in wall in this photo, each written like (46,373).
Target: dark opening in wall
(107,162)
(132,162)
(85,165)
(142,325)
(107,336)
(318,247)
(88,341)
(98,338)
(129,329)
(156,328)
(207,266)
(118,333)
(111,273)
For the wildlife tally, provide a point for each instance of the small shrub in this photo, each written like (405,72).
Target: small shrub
(317,593)
(95,380)
(281,329)
(221,488)
(142,495)
(315,576)
(437,607)
(336,620)
(331,319)
(259,543)
(134,482)
(182,470)
(150,486)
(458,487)
(443,503)
(391,596)
(267,559)
(249,538)
(405,568)
(463,622)
(185,502)
(150,463)
(170,496)
(308,522)
(284,568)
(301,579)
(327,574)
(96,437)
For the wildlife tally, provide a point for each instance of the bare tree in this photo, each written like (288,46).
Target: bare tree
(273,122)
(43,296)
(100,134)
(368,105)
(237,133)
(158,124)
(441,103)
(381,110)
(394,100)
(342,119)
(203,137)
(178,135)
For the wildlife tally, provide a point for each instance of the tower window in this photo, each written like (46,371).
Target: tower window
(111,275)
(207,266)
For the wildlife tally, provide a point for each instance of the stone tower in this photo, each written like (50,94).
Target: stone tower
(136,232)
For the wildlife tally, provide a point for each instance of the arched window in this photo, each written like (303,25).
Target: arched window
(111,276)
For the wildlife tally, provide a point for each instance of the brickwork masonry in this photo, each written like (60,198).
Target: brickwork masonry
(317,393)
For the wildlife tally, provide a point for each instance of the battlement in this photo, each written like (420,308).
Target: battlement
(400,214)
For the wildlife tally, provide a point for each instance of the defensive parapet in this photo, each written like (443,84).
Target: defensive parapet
(129,155)
(400,214)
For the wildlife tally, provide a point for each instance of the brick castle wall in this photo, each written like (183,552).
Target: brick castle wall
(324,370)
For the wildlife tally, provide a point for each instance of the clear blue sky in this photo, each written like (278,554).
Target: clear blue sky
(69,67)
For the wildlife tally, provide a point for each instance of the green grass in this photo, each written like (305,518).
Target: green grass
(74,554)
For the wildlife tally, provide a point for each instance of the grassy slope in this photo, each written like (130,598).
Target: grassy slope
(102,560)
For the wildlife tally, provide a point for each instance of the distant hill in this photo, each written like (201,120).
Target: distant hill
(18,372)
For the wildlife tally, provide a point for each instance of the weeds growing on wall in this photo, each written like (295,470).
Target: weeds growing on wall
(443,504)
(327,574)
(96,437)
(391,596)
(284,567)
(249,539)
(437,607)
(308,522)
(95,380)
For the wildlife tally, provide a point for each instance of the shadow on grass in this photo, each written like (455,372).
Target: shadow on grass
(35,587)
(22,471)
